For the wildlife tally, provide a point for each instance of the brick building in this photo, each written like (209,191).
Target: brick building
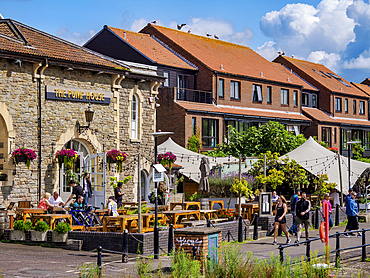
(342,112)
(46,84)
(242,89)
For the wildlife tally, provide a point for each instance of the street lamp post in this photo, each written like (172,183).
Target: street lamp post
(156,229)
(349,143)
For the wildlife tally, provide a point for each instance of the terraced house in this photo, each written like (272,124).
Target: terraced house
(46,85)
(342,112)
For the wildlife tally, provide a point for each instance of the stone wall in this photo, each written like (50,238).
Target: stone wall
(19,94)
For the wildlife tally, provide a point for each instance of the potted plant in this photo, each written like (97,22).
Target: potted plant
(24,155)
(363,203)
(40,231)
(66,156)
(60,233)
(117,157)
(3,176)
(20,228)
(167,159)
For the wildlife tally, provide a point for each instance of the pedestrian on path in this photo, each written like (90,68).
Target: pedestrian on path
(327,200)
(302,212)
(352,214)
(293,201)
(280,220)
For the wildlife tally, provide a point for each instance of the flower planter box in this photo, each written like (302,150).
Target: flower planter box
(17,235)
(59,237)
(20,158)
(38,236)
(363,206)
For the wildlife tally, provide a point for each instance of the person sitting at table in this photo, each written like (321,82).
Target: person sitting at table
(79,204)
(275,197)
(112,207)
(55,200)
(77,190)
(44,202)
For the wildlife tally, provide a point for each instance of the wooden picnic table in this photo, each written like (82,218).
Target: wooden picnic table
(175,215)
(22,212)
(126,222)
(51,219)
(184,205)
(208,214)
(55,210)
(247,210)
(220,202)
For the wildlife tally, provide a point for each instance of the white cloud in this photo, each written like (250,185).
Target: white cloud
(268,50)
(77,38)
(301,29)
(361,62)
(330,60)
(140,23)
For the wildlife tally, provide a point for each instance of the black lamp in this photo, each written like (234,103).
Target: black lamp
(89,115)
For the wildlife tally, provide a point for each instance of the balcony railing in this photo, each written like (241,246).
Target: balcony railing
(194,95)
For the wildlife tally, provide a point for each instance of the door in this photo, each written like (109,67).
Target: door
(95,165)
(82,152)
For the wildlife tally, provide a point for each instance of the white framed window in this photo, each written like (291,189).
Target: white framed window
(269,94)
(257,93)
(235,89)
(338,104)
(167,82)
(361,109)
(284,96)
(134,117)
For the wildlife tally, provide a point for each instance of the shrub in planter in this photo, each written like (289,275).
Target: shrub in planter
(40,231)
(20,228)
(60,233)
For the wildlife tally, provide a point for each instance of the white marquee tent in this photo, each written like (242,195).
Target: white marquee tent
(189,160)
(317,160)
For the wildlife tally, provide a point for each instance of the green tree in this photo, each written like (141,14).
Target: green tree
(272,161)
(241,187)
(295,175)
(322,186)
(194,143)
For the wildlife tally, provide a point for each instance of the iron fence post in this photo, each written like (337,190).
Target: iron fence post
(194,252)
(255,227)
(281,253)
(337,215)
(240,229)
(308,251)
(125,246)
(170,239)
(317,218)
(228,236)
(337,252)
(363,258)
(245,233)
(99,259)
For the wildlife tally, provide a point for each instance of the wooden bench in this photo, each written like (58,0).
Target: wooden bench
(77,228)
(220,202)
(95,229)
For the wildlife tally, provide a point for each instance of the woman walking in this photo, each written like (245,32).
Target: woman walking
(280,220)
(87,190)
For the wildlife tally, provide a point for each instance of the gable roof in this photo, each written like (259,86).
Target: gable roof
(228,58)
(18,38)
(152,48)
(322,75)
(365,88)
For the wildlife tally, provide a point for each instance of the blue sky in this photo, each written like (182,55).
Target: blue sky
(332,32)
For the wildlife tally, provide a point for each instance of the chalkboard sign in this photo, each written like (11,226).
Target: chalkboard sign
(265,204)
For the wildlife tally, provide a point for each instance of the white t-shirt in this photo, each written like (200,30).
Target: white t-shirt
(112,205)
(56,202)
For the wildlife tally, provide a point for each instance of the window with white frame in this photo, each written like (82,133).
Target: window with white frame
(235,89)
(134,117)
(284,96)
(257,93)
(269,94)
(338,104)
(166,83)
(346,105)
(361,108)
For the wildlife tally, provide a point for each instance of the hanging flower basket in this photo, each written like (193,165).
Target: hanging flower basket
(66,156)
(117,157)
(167,159)
(24,155)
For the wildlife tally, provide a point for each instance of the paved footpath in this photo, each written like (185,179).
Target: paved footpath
(17,260)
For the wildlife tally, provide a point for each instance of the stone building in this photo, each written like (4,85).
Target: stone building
(46,84)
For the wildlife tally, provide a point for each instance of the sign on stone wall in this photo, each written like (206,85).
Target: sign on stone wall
(76,94)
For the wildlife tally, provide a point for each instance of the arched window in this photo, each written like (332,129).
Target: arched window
(134,117)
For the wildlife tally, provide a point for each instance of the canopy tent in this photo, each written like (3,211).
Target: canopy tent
(317,160)
(189,160)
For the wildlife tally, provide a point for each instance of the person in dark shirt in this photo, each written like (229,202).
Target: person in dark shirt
(79,204)
(118,194)
(293,201)
(302,213)
(76,190)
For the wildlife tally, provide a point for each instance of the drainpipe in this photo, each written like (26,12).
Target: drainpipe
(39,80)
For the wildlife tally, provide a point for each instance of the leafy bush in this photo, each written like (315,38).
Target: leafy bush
(194,143)
(89,271)
(183,266)
(41,226)
(20,225)
(62,228)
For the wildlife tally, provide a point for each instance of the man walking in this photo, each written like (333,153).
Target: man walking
(302,212)
(352,214)
(293,201)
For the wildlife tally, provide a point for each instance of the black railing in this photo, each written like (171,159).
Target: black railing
(337,249)
(194,95)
